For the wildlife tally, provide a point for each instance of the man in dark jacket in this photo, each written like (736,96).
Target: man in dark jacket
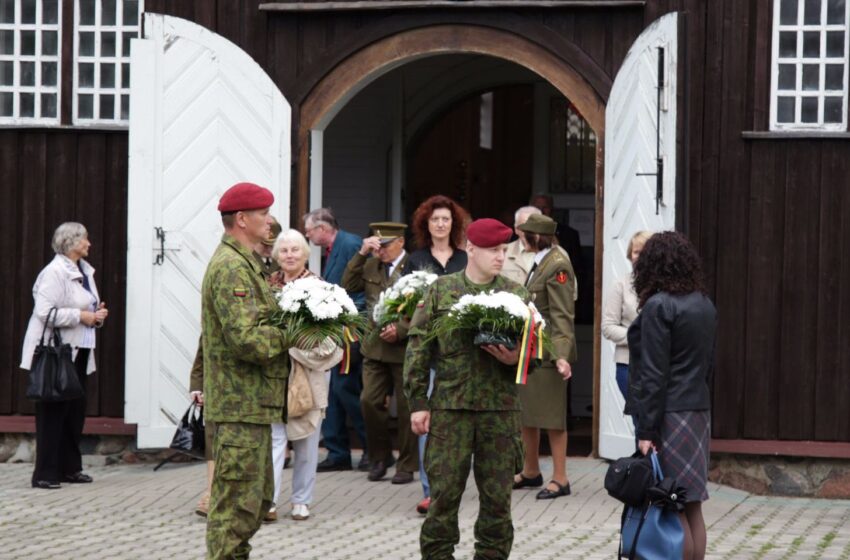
(338,246)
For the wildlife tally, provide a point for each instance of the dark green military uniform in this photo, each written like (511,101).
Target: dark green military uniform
(474,412)
(245,371)
(382,366)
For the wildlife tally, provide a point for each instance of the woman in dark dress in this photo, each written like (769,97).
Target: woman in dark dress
(438,230)
(671,345)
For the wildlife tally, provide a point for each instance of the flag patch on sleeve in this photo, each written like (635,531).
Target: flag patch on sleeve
(240,292)
(562,277)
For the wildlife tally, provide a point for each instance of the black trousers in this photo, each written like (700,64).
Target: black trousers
(58,431)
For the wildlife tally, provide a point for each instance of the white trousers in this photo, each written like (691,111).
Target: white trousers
(303,465)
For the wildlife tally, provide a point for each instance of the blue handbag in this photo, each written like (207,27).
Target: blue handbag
(653,532)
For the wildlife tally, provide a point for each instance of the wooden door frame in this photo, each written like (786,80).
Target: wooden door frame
(359,69)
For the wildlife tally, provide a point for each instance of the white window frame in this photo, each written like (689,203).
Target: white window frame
(799,60)
(37,59)
(119,59)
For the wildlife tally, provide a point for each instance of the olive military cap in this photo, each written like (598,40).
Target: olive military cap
(538,223)
(387,231)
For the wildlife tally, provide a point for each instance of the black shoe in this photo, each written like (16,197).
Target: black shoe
(46,484)
(329,466)
(402,477)
(524,482)
(547,494)
(379,469)
(363,465)
(78,478)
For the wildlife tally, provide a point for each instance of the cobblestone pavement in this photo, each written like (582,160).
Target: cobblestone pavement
(132,512)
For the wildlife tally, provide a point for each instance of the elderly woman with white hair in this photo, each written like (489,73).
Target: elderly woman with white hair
(308,390)
(67,286)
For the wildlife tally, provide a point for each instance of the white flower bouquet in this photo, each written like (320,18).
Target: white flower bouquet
(399,300)
(495,317)
(312,310)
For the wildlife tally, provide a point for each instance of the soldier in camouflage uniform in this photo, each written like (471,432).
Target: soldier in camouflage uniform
(474,409)
(245,371)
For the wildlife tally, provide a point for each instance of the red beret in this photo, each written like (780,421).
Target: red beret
(245,196)
(487,232)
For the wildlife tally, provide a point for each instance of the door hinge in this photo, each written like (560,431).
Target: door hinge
(160,235)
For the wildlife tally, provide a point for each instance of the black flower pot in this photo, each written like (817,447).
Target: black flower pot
(495,339)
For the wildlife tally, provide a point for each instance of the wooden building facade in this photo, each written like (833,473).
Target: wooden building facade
(764,203)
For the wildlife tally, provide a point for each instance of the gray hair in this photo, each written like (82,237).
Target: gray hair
(67,236)
(291,235)
(321,216)
(526,211)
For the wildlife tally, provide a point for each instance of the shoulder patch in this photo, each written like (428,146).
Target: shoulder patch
(562,277)
(240,292)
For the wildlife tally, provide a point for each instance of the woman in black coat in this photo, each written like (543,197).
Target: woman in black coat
(671,344)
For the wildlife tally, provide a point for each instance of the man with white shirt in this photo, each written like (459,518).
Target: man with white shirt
(518,258)
(379,263)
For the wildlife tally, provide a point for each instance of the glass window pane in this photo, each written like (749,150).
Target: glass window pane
(27,11)
(49,42)
(788,12)
(131,12)
(87,12)
(785,110)
(85,106)
(6,104)
(125,75)
(832,109)
(107,107)
(7,73)
(86,43)
(48,73)
(107,44)
(50,11)
(835,44)
(835,11)
(811,44)
(788,44)
(125,107)
(27,73)
(86,78)
(28,42)
(107,12)
(809,110)
(7,11)
(107,75)
(834,77)
(812,13)
(125,43)
(48,105)
(7,41)
(787,76)
(27,107)
(811,77)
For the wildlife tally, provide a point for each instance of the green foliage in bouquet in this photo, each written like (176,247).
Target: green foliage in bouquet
(399,300)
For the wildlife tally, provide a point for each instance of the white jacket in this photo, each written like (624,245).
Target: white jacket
(618,313)
(60,285)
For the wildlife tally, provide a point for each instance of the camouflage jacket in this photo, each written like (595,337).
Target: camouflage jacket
(553,291)
(467,377)
(245,363)
(365,274)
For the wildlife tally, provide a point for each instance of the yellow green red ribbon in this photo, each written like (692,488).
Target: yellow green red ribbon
(347,339)
(531,345)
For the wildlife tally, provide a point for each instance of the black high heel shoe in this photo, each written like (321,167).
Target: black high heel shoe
(546,494)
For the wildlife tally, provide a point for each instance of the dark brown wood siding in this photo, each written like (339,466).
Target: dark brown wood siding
(768,216)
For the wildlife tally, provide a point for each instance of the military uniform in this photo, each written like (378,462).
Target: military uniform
(475,411)
(245,371)
(552,286)
(382,366)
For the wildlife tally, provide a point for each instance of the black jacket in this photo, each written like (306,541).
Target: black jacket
(671,354)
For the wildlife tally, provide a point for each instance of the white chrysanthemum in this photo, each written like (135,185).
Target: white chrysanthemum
(322,299)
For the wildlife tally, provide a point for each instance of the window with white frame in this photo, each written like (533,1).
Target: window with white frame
(30,39)
(809,73)
(102,33)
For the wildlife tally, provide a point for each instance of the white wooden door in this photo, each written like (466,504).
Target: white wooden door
(203,116)
(635,136)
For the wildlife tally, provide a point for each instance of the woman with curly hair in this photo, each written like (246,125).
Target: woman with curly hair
(438,226)
(671,345)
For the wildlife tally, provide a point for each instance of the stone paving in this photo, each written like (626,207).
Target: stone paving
(131,512)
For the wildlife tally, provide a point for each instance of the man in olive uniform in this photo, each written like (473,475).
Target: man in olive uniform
(474,410)
(263,249)
(245,371)
(383,352)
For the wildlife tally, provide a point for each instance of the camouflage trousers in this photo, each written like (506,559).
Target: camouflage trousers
(490,442)
(242,488)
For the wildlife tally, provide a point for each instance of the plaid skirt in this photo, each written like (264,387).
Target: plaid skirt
(683,453)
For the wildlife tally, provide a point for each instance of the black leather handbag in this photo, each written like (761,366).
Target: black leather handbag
(52,376)
(189,436)
(629,478)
